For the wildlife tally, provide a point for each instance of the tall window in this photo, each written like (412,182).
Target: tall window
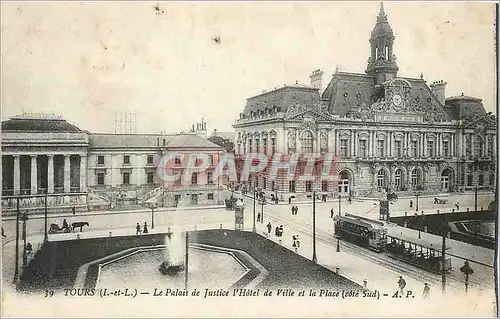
(380,148)
(210,178)
(381,178)
(178,160)
(250,145)
(194,179)
(126,178)
(430,148)
(362,148)
(415,177)
(309,186)
(257,145)
(273,145)
(264,145)
(481,180)
(150,177)
(126,159)
(178,180)
(398,151)
(478,146)
(264,183)
(150,159)
(100,160)
(414,148)
(210,159)
(469,180)
(398,178)
(344,147)
(468,146)
(446,149)
(272,185)
(492,179)
(307,142)
(291,186)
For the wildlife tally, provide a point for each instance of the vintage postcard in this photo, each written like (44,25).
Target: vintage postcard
(249,159)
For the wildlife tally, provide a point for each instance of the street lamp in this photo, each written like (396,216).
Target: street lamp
(16,270)
(254,228)
(262,203)
(467,271)
(153,206)
(24,218)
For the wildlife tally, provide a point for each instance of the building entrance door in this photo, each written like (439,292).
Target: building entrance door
(194,199)
(344,185)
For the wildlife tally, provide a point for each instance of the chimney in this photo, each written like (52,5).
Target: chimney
(438,88)
(316,79)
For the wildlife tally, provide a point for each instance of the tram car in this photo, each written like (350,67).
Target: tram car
(361,231)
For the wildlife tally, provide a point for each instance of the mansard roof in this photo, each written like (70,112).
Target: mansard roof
(39,122)
(281,98)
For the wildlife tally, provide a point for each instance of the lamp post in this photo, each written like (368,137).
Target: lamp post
(24,218)
(46,236)
(444,230)
(314,258)
(416,206)
(153,206)
(186,262)
(262,203)
(475,200)
(467,270)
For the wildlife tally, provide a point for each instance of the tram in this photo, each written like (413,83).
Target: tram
(417,252)
(361,231)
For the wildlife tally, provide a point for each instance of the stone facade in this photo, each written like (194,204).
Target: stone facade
(387,133)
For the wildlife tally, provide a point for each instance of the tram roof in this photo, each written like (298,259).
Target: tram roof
(425,243)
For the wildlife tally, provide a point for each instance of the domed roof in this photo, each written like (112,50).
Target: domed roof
(382,27)
(38,122)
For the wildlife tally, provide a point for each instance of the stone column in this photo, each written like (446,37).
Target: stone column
(369,146)
(67,175)
(83,173)
(494,137)
(425,146)
(50,174)
(472,149)
(34,177)
(337,142)
(351,153)
(17,174)
(387,144)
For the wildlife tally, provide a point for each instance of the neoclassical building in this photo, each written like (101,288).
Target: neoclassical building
(42,153)
(388,132)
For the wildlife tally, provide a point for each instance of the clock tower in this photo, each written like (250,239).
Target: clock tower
(382,62)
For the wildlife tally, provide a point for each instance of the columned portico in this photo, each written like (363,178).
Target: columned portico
(50,174)
(83,175)
(17,175)
(34,171)
(67,174)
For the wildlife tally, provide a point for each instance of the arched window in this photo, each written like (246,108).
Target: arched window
(415,178)
(398,178)
(381,178)
(386,53)
(307,142)
(376,53)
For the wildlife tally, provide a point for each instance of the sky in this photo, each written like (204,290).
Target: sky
(89,61)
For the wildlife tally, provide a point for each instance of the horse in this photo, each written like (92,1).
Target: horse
(79,224)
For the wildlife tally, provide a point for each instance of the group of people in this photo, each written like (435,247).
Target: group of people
(296,242)
(279,231)
(143,231)
(295,209)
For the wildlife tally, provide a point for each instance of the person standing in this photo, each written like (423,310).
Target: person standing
(269,227)
(258,217)
(331,213)
(138,229)
(426,291)
(401,284)
(296,210)
(145,231)
(411,203)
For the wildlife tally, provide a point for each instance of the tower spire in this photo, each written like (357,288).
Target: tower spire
(382,17)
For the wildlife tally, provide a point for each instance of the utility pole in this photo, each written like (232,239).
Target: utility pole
(475,200)
(443,258)
(340,210)
(314,259)
(16,271)
(186,262)
(152,217)
(254,229)
(416,195)
(46,236)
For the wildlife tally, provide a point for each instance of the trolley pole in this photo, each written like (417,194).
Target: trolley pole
(475,200)
(416,195)
(314,258)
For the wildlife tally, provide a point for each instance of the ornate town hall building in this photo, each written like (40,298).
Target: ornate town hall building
(388,132)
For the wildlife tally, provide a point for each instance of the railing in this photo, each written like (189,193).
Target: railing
(38,201)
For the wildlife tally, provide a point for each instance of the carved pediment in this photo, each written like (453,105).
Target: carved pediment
(301,113)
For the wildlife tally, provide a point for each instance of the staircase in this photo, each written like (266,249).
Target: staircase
(151,196)
(95,200)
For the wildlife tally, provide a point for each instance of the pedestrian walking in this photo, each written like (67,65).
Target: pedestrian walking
(269,227)
(293,210)
(411,203)
(138,229)
(331,213)
(258,217)
(402,284)
(426,291)
(145,231)
(457,205)
(74,210)
(277,231)
(281,230)
(436,200)
(350,200)
(289,200)
(296,210)
(3,234)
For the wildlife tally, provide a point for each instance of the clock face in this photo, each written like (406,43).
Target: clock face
(396,99)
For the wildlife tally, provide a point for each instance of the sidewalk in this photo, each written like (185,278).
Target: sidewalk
(112,212)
